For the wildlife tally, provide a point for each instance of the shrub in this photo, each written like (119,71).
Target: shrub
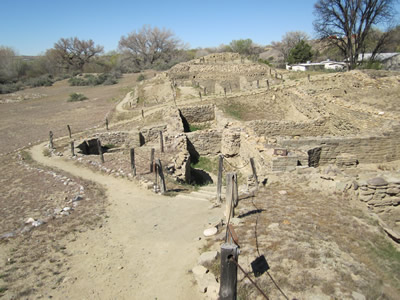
(10,87)
(44,80)
(76,97)
(141,77)
(90,79)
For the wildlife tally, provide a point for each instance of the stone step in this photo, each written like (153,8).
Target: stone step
(212,188)
(202,195)
(188,197)
(207,192)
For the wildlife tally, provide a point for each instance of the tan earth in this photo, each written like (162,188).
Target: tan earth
(145,250)
(122,241)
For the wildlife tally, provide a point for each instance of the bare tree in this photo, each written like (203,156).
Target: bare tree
(289,41)
(149,45)
(74,53)
(7,64)
(346,23)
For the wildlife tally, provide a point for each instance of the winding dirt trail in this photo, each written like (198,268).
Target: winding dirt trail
(143,251)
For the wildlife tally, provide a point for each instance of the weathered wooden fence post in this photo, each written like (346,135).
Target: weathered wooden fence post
(100,151)
(267,84)
(201,99)
(258,83)
(69,131)
(72,148)
(205,91)
(161,142)
(163,187)
(133,167)
(225,91)
(106,123)
(270,72)
(253,168)
(309,77)
(51,145)
(142,114)
(219,182)
(228,283)
(152,160)
(235,190)
(229,207)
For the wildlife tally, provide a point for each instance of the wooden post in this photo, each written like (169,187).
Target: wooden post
(100,151)
(253,167)
(235,192)
(267,84)
(133,167)
(219,182)
(225,91)
(130,104)
(152,160)
(228,283)
(309,77)
(51,145)
(69,131)
(72,148)
(161,142)
(270,71)
(106,124)
(200,96)
(142,114)
(229,209)
(258,83)
(160,172)
(205,91)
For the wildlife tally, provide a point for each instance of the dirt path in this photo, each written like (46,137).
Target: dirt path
(144,249)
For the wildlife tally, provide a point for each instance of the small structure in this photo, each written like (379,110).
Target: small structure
(390,61)
(329,65)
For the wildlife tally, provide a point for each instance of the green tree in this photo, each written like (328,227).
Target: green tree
(242,46)
(300,53)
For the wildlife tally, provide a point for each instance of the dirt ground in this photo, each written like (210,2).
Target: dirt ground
(106,237)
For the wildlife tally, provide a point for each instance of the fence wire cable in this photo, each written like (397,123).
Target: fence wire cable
(235,167)
(258,251)
(248,276)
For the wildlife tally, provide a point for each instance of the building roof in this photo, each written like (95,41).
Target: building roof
(379,56)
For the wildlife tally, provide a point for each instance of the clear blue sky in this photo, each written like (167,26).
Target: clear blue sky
(32,26)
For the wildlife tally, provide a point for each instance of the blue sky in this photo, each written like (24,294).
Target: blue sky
(32,26)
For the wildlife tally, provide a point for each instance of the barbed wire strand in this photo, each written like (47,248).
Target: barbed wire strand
(237,168)
(248,276)
(258,251)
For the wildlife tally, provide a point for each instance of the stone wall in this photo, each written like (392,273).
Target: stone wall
(117,138)
(372,149)
(288,128)
(198,114)
(378,191)
(205,142)
(152,133)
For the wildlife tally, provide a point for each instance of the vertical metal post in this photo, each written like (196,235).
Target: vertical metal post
(51,145)
(69,131)
(228,283)
(100,151)
(161,142)
(72,148)
(219,182)
(133,167)
(152,160)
